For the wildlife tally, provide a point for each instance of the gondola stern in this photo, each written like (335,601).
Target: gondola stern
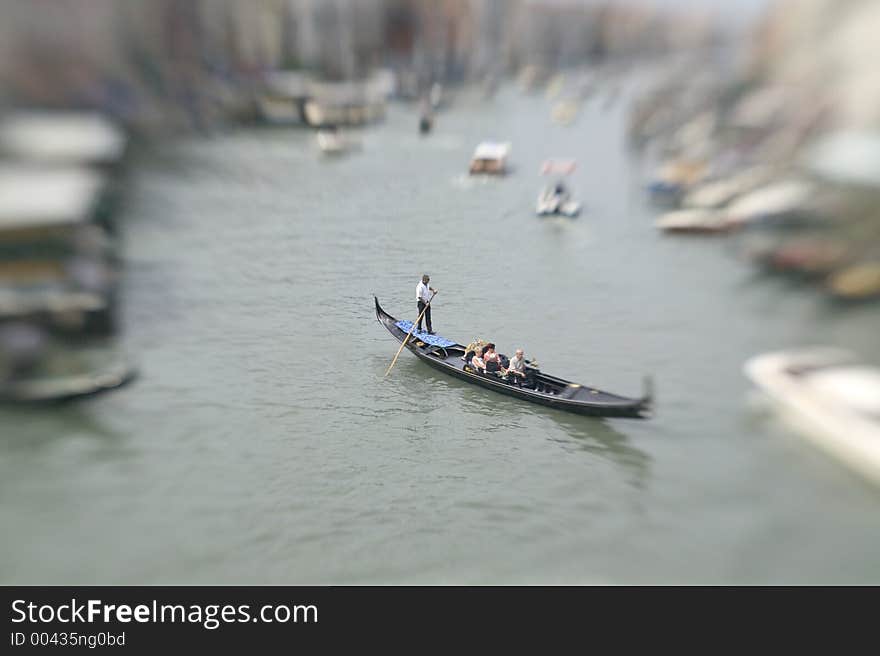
(646,405)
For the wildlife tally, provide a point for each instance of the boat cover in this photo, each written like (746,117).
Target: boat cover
(433,340)
(492,150)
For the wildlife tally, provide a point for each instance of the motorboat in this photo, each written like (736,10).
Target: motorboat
(490,158)
(555,199)
(828,397)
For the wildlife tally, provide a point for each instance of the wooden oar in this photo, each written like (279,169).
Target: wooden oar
(409,334)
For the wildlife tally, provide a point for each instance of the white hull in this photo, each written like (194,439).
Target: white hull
(693,220)
(799,382)
(551,204)
(568,208)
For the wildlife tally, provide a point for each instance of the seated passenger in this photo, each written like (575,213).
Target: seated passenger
(491,358)
(523,371)
(471,348)
(516,370)
(477,361)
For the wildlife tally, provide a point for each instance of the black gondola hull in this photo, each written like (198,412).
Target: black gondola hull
(604,405)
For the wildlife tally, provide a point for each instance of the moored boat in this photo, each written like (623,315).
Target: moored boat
(63,138)
(717,193)
(692,220)
(774,202)
(449,357)
(673,179)
(829,398)
(59,372)
(857,282)
(283,98)
(58,287)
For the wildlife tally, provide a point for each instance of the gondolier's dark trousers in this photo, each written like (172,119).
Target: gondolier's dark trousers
(422,305)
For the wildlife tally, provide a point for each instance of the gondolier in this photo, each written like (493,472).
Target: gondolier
(424,294)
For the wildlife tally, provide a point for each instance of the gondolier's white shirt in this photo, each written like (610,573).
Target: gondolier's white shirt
(423,293)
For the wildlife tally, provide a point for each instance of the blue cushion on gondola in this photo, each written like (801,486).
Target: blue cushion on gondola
(433,340)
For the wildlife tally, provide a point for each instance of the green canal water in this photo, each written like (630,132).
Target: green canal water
(262,445)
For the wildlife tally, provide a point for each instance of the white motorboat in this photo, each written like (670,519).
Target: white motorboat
(829,398)
(490,158)
(555,199)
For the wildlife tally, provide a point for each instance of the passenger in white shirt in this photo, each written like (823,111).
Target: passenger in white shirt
(424,294)
(516,371)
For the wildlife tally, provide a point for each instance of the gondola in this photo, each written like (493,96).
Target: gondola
(448,357)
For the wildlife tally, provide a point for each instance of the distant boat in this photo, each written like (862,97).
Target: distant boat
(565,111)
(809,255)
(425,124)
(857,282)
(426,118)
(58,253)
(555,199)
(777,201)
(693,220)
(332,141)
(62,138)
(59,291)
(57,378)
(673,179)
(717,193)
(829,398)
(490,158)
(282,100)
(345,103)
